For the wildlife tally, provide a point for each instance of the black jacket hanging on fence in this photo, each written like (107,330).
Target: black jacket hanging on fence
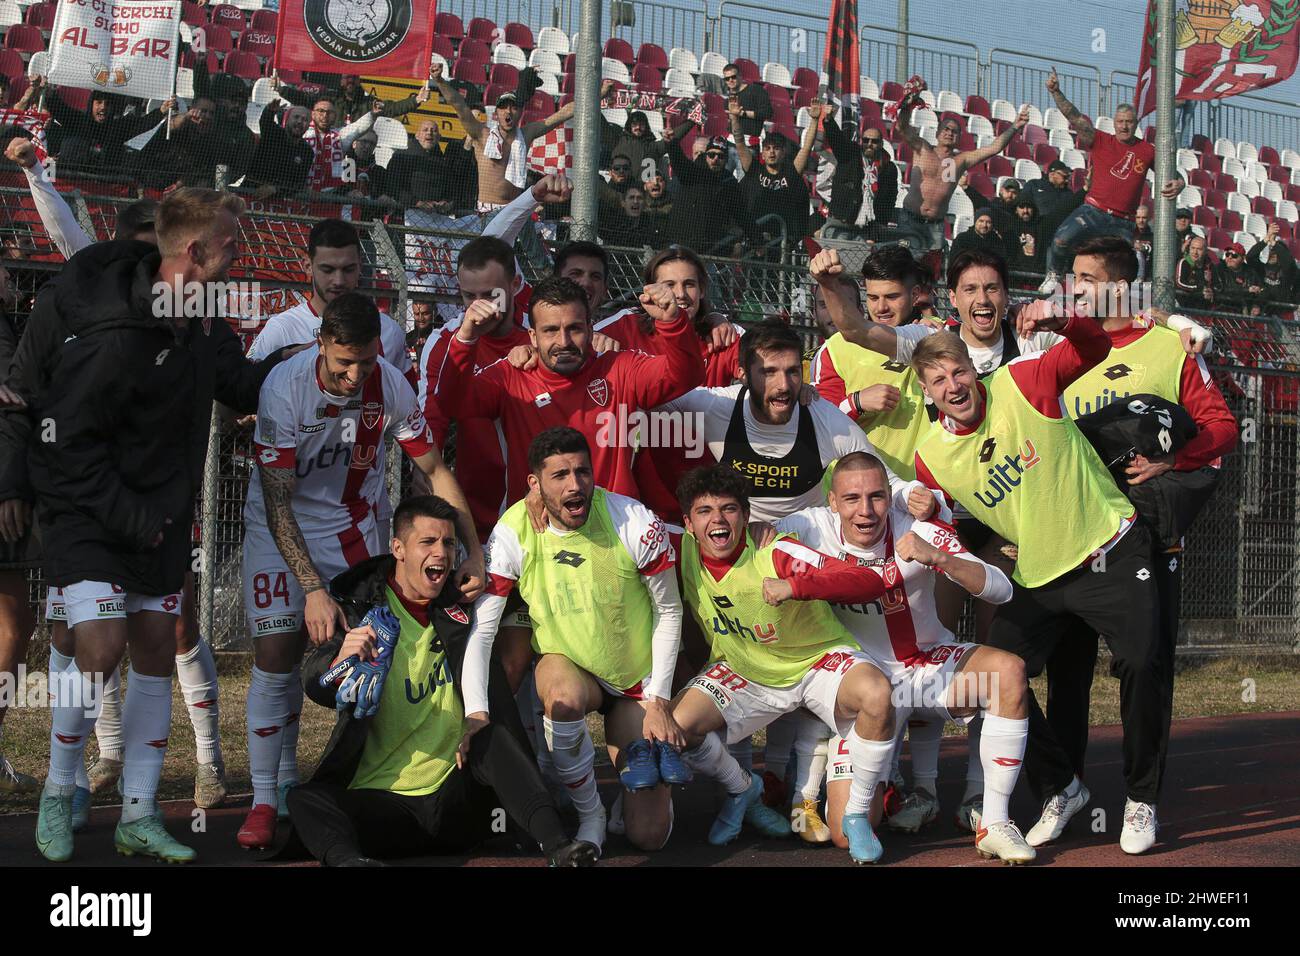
(123,421)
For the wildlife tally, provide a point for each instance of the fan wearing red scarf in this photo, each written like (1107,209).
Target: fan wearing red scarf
(930,671)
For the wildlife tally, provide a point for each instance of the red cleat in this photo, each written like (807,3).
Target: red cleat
(893,800)
(774,794)
(259,828)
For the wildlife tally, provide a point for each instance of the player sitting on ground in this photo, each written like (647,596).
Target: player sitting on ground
(602,594)
(931,672)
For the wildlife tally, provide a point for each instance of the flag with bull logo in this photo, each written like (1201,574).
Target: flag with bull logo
(1224,47)
(842,58)
(383,37)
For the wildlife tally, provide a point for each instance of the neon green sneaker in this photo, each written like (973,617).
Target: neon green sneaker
(54,828)
(148,837)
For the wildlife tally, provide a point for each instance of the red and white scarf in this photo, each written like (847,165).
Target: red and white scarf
(327,161)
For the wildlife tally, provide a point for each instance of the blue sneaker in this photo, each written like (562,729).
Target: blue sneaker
(282,804)
(864,846)
(672,768)
(80,809)
(740,808)
(640,772)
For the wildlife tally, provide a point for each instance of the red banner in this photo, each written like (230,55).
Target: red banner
(1225,47)
(842,84)
(383,37)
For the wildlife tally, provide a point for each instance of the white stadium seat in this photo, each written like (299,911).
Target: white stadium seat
(1234,167)
(1238,203)
(962,222)
(510,55)
(1257,226)
(1187,160)
(924,117)
(10,14)
(1074,158)
(1295,175)
(39,64)
(928,98)
(1290,158)
(1105,124)
(713,62)
(1060,138)
(546,61)
(1248,187)
(1002,110)
(390,132)
(1225,147)
(1257,171)
(777,74)
(1035,115)
(979,126)
(679,82)
(1027,169)
(1246,152)
(1055,119)
(983,139)
(553,40)
(1247,239)
(948,102)
(680,59)
(961,205)
(616,70)
(869,88)
(550,83)
(1189,198)
(1286,209)
(928,133)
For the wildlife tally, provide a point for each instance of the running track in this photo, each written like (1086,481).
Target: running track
(1231,799)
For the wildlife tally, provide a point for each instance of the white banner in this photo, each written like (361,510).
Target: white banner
(122,46)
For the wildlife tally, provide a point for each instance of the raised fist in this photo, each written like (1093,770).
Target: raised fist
(825,266)
(659,302)
(553,188)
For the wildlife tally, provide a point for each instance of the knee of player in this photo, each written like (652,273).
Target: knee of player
(566,704)
(874,694)
(648,834)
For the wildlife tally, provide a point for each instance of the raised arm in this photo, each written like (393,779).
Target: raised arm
(809,137)
(827,271)
(56,215)
(1084,131)
(560,116)
(474,127)
(903,126)
(743,153)
(976,156)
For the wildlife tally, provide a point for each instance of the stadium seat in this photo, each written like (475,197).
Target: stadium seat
(806,78)
(520,35)
(1201,179)
(612,69)
(776,93)
(1149,134)
(890,92)
(1060,138)
(472,70)
(544,61)
(1268,156)
(978,106)
(652,54)
(11,64)
(867,87)
(481,28)
(777,74)
(217,39)
(1234,167)
(870,112)
(749,71)
(442,47)
(948,102)
(1256,225)
(1225,147)
(1074,158)
(981,182)
(1215,199)
(647,78)
(1035,115)
(264,21)
(1189,198)
(713,63)
(782,115)
(17,87)
(1205,216)
(1238,203)
(803,97)
(1290,159)
(1211,162)
(979,126)
(195,15)
(1218,238)
(1002,110)
(1247,238)
(680,82)
(24,38)
(570,64)
(1055,119)
(257,43)
(243,65)
(1045,154)
(1230,219)
(1027,169)
(1018,149)
(682,59)
(1248,188)
(1034,134)
(1105,124)
(503,74)
(509,54)
(188,58)
(41,16)
(227,15)
(1271,191)
(1246,152)
(550,84)
(566,85)
(1287,210)
(619,49)
(1186,160)
(998,166)
(450,26)
(1279,174)
(553,40)
(541,102)
(1264,206)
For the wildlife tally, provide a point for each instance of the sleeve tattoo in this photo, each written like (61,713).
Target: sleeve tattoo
(277,494)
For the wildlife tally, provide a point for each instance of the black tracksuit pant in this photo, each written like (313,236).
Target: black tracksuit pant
(1118,599)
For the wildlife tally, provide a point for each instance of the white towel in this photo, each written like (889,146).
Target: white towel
(517,164)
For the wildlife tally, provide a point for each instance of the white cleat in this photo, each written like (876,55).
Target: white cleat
(970,813)
(1057,812)
(1003,840)
(920,807)
(1140,827)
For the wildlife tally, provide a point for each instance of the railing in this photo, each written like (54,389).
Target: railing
(761,34)
(1022,78)
(945,64)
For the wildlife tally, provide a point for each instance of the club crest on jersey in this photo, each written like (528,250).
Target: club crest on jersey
(457,614)
(890,574)
(371,413)
(598,389)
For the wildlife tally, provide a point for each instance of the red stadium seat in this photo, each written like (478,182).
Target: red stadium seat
(257,43)
(1019,149)
(193,14)
(188,58)
(966,142)
(74,97)
(1285,229)
(1000,127)
(474,50)
(716,125)
(1218,238)
(1211,162)
(566,85)
(228,16)
(41,16)
(714,103)
(442,46)
(1205,216)
(651,54)
(1000,166)
(11,64)
(782,115)
(647,78)
(870,110)
(1268,155)
(1279,174)
(619,49)
(24,38)
(1263,206)
(1230,219)
(542,103)
(806,78)
(17,87)
(1292,192)
(450,26)
(803,97)
(570,63)
(978,106)
(520,36)
(982,182)
(749,72)
(244,65)
(1045,154)
(492,91)
(532,116)
(481,28)
(1224,182)
(903,153)
(470,71)
(891,91)
(775,93)
(1150,136)
(217,39)
(1033,134)
(1201,179)
(264,21)
(503,74)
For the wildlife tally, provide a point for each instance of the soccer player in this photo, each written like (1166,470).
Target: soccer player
(901,632)
(132,396)
(311,513)
(777,646)
(400,782)
(333,268)
(1011,456)
(601,587)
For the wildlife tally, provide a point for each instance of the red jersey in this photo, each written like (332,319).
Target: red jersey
(1119,172)
(658,470)
(606,389)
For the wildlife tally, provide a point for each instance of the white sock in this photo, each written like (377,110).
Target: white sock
(60,662)
(293,696)
(742,751)
(712,759)
(265,714)
(1002,752)
(923,738)
(108,728)
(781,734)
(197,673)
(974,769)
(809,758)
(70,724)
(146,723)
(870,761)
(575,762)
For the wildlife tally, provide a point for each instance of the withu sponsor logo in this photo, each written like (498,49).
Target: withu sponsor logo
(759,634)
(1005,478)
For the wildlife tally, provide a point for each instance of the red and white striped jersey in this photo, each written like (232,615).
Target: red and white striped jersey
(334,443)
(903,623)
(298,324)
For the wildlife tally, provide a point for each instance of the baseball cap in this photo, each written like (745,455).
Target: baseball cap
(718,142)
(1236,247)
(1183,214)
(1010,183)
(1057,165)
(507,98)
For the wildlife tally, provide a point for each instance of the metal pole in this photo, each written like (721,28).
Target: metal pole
(586,121)
(1165,252)
(207,577)
(900,66)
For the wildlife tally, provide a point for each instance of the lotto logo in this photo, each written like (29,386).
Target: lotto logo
(170,602)
(836,661)
(268,456)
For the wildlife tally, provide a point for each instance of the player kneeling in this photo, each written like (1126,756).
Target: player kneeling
(931,674)
(601,589)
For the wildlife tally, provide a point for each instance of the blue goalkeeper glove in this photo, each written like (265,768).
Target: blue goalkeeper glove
(364,684)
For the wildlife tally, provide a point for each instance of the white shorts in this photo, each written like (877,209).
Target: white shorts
(273,599)
(635,692)
(748,707)
(922,688)
(55,608)
(98,601)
